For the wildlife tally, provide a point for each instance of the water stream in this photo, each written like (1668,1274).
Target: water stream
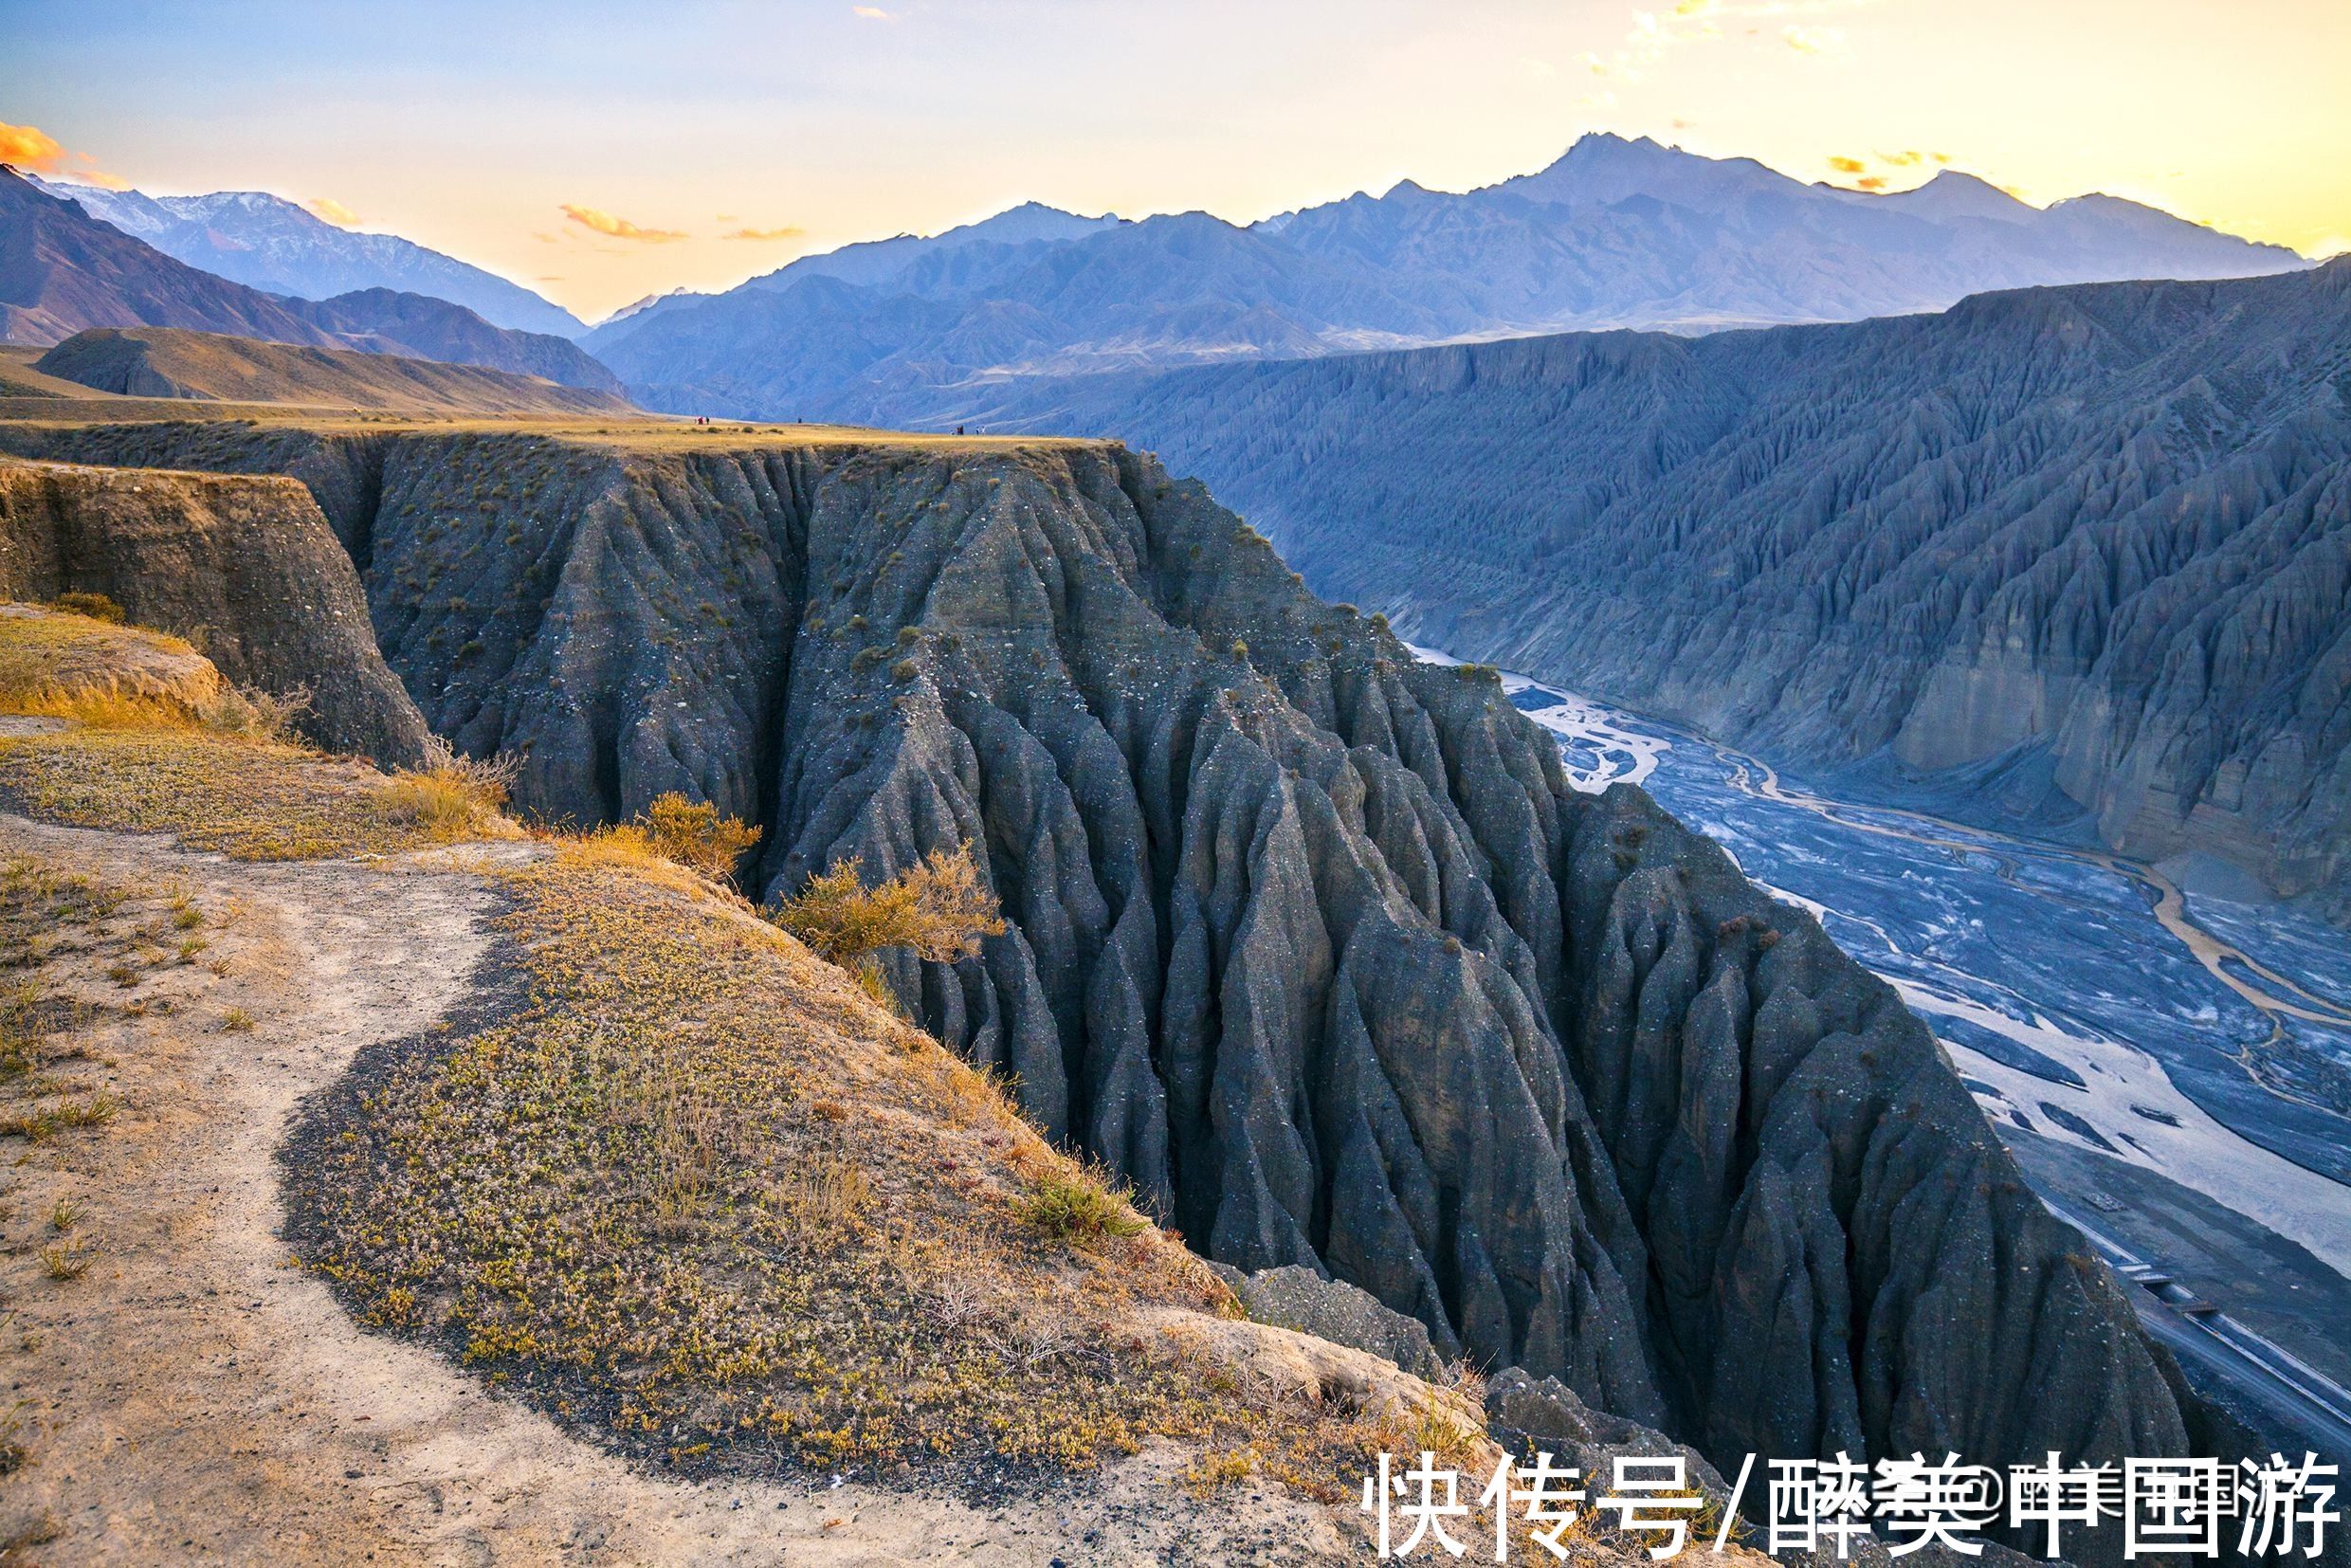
(2090,1004)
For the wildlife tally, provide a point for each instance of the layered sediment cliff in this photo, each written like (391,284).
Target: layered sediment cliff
(1312,942)
(246,565)
(2096,538)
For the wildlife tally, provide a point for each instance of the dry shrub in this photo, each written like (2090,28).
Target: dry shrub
(823,1193)
(694,834)
(255,714)
(936,907)
(684,1129)
(683,832)
(98,607)
(452,798)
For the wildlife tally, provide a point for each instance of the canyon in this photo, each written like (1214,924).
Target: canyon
(1313,943)
(2073,560)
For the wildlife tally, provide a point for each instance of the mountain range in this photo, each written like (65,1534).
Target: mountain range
(1614,233)
(2079,550)
(174,362)
(62,271)
(269,243)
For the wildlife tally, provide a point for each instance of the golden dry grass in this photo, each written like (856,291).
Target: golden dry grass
(152,740)
(644,434)
(58,663)
(698,1191)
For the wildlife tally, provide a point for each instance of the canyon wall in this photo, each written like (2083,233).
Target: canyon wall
(2098,537)
(1312,942)
(245,567)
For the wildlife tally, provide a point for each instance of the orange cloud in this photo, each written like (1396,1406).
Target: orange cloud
(30,147)
(620,228)
(784,233)
(1847,166)
(1875,182)
(333,211)
(873,14)
(1901,160)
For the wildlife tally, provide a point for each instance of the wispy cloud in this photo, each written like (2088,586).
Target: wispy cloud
(1654,35)
(873,14)
(620,228)
(30,147)
(1908,158)
(333,211)
(785,233)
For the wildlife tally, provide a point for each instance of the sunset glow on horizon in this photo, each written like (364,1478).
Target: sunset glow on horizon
(632,150)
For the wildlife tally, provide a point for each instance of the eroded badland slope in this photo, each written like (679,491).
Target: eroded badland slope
(719,1256)
(1311,943)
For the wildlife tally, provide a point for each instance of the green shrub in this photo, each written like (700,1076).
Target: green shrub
(1078,1206)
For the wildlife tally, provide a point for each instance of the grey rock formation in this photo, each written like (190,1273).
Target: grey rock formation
(2097,539)
(1312,942)
(1305,1299)
(246,566)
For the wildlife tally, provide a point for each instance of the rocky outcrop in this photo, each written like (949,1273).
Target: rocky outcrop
(1308,1302)
(2100,536)
(1312,942)
(246,566)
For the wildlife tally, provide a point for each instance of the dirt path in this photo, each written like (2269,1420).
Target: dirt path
(195,1398)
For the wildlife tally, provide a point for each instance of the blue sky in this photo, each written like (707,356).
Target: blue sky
(473,126)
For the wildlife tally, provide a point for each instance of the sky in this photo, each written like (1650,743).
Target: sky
(601,152)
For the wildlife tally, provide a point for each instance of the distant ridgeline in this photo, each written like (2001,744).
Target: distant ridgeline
(1311,941)
(2095,537)
(1615,233)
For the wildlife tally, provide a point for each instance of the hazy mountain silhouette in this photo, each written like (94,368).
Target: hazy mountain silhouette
(62,271)
(1614,233)
(269,243)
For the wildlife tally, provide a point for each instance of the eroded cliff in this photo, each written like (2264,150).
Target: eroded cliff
(249,566)
(1311,941)
(2098,537)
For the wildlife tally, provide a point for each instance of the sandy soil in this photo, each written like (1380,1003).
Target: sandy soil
(194,1396)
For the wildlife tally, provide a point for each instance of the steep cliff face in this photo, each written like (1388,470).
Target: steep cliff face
(246,564)
(1312,942)
(2105,528)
